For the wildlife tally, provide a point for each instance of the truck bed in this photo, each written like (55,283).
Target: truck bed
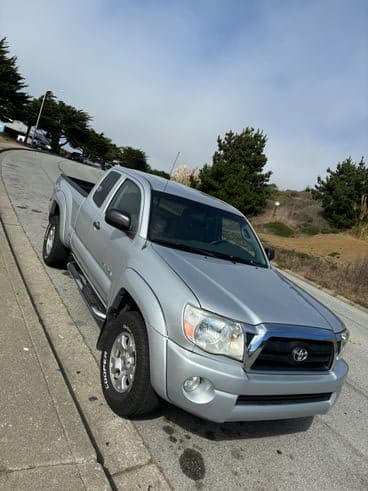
(83,187)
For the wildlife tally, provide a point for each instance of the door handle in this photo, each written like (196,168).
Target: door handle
(96,225)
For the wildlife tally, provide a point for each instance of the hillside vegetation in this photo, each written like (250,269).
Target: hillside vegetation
(305,243)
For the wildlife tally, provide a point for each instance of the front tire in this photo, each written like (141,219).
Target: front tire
(54,252)
(125,367)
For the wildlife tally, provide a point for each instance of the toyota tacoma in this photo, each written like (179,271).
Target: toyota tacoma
(190,309)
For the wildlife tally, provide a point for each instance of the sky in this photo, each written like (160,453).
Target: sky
(170,76)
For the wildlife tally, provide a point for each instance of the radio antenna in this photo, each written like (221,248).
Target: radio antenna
(172,168)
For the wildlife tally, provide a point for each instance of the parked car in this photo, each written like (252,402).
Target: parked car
(190,308)
(77,156)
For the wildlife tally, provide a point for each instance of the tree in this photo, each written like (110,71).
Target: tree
(12,97)
(343,194)
(95,146)
(31,109)
(68,123)
(64,123)
(134,158)
(236,174)
(160,173)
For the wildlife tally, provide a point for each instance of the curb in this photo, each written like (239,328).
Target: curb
(118,445)
(82,452)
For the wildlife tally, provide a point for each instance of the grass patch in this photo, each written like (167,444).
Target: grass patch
(350,281)
(279,228)
(308,229)
(308,219)
(282,196)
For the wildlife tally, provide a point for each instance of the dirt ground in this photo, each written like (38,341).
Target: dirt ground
(344,247)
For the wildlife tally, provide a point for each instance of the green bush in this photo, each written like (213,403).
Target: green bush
(279,228)
(343,194)
(309,229)
(334,254)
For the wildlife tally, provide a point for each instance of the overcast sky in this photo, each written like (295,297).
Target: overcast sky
(169,76)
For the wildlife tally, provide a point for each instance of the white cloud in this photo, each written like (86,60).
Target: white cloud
(172,76)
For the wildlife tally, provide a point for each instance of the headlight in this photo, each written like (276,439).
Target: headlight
(343,338)
(213,333)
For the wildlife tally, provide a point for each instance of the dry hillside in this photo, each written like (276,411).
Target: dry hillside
(306,244)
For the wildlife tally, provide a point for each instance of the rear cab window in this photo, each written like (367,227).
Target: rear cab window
(105,187)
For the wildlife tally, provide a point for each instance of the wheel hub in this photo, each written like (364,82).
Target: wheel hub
(50,239)
(122,363)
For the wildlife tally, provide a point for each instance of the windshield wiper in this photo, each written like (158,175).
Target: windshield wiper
(235,259)
(185,247)
(206,252)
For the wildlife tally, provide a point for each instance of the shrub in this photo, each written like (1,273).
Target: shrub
(343,194)
(308,229)
(279,228)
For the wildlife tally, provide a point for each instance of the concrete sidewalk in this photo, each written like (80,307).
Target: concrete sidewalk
(125,459)
(43,442)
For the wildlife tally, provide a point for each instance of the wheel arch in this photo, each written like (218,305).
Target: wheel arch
(54,209)
(58,208)
(138,296)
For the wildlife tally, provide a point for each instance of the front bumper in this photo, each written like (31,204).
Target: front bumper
(230,381)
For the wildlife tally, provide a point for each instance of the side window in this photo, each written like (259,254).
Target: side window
(128,199)
(105,187)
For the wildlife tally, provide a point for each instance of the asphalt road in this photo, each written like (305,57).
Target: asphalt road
(330,452)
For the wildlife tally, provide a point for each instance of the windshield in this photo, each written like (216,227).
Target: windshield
(196,227)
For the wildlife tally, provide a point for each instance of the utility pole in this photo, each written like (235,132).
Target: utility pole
(39,116)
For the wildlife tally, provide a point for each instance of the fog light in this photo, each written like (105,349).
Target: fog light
(191,384)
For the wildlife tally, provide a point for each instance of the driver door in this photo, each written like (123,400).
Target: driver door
(116,246)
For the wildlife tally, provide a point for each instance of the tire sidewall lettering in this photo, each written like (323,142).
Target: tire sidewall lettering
(105,371)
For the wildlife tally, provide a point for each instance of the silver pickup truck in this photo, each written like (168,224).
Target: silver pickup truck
(191,311)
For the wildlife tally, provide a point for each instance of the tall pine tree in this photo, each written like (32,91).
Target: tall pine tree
(236,174)
(12,97)
(344,193)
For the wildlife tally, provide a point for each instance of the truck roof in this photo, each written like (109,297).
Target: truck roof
(158,183)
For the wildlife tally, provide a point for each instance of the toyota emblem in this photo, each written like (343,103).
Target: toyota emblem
(299,354)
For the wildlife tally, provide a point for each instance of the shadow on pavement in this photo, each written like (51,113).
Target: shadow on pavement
(229,431)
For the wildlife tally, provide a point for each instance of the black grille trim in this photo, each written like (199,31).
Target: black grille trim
(276,355)
(250,400)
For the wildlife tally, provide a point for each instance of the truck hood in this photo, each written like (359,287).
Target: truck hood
(245,293)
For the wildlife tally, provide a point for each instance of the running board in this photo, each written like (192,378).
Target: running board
(89,296)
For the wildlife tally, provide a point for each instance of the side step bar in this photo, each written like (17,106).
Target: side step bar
(89,296)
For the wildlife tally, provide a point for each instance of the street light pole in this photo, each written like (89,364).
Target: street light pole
(39,116)
(275,206)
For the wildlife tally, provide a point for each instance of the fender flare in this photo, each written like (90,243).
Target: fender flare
(59,200)
(136,289)
(139,293)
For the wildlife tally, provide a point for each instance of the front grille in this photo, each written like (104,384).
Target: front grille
(282,399)
(277,354)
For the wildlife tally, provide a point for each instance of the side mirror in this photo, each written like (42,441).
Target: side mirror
(118,219)
(270,253)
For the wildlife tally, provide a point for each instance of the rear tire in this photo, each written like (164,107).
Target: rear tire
(54,252)
(125,367)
